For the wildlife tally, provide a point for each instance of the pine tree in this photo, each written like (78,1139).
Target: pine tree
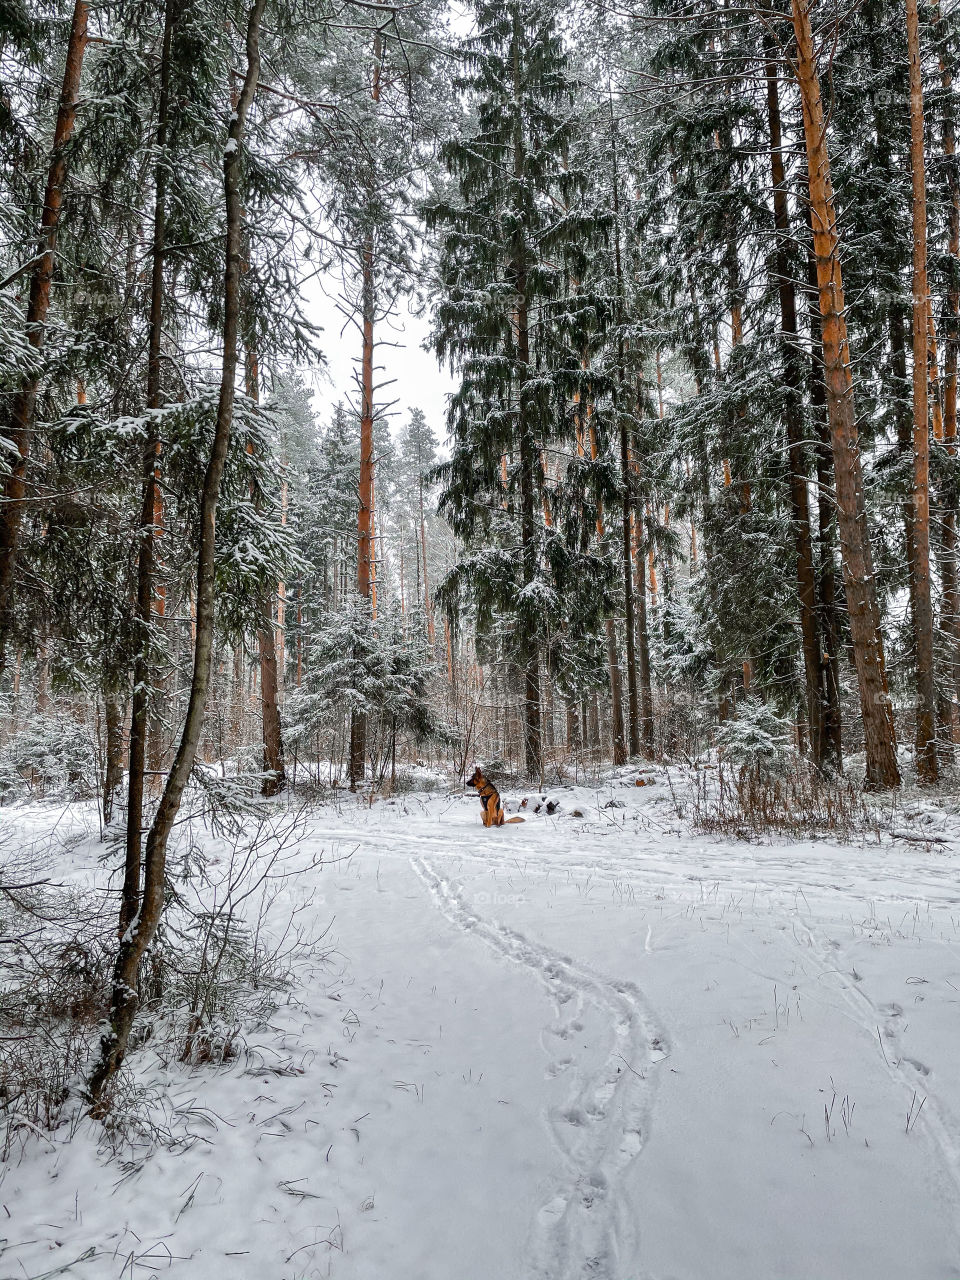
(857,560)
(927,761)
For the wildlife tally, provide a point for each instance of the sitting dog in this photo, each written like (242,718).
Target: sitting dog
(489,800)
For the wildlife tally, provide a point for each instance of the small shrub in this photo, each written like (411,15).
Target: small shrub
(756,738)
(218,966)
(52,756)
(749,803)
(54,978)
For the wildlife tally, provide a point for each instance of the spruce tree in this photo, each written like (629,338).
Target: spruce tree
(515,233)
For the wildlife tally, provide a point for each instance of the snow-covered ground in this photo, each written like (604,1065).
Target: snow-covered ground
(592,1046)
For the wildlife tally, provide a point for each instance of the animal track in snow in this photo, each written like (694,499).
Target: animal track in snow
(584,1225)
(943,1128)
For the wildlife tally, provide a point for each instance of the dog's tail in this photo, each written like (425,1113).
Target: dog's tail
(516,820)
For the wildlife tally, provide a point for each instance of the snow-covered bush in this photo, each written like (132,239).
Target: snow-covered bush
(54,974)
(750,802)
(756,738)
(52,755)
(367,665)
(223,958)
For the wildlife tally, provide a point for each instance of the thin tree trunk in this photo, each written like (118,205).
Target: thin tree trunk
(793,380)
(573,727)
(626,474)
(113,754)
(529,642)
(23,410)
(877,713)
(143,672)
(428,608)
(142,930)
(366,550)
(939,521)
(236,699)
(274,779)
(928,768)
(358,719)
(643,651)
(617,728)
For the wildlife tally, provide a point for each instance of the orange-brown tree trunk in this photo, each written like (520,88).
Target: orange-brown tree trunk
(826,536)
(953,292)
(856,555)
(23,410)
(793,414)
(112,754)
(366,550)
(951,577)
(927,763)
(274,769)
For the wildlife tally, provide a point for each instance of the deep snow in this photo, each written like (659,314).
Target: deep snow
(580,1047)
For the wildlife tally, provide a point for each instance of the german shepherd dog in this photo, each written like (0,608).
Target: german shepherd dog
(489,800)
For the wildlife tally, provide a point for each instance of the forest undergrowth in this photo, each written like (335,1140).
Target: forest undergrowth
(233,945)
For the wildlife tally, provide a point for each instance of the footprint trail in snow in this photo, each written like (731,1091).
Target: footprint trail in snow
(585,1226)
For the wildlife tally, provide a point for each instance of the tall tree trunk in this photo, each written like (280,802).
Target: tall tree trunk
(275,778)
(617,728)
(143,666)
(629,614)
(928,768)
(236,699)
(940,544)
(593,721)
(826,537)
(856,555)
(793,380)
(529,639)
(950,609)
(643,655)
(113,753)
(142,929)
(529,459)
(23,410)
(573,727)
(626,472)
(365,527)
(366,549)
(428,608)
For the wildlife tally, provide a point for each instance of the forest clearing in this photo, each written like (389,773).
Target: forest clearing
(551,403)
(582,1046)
